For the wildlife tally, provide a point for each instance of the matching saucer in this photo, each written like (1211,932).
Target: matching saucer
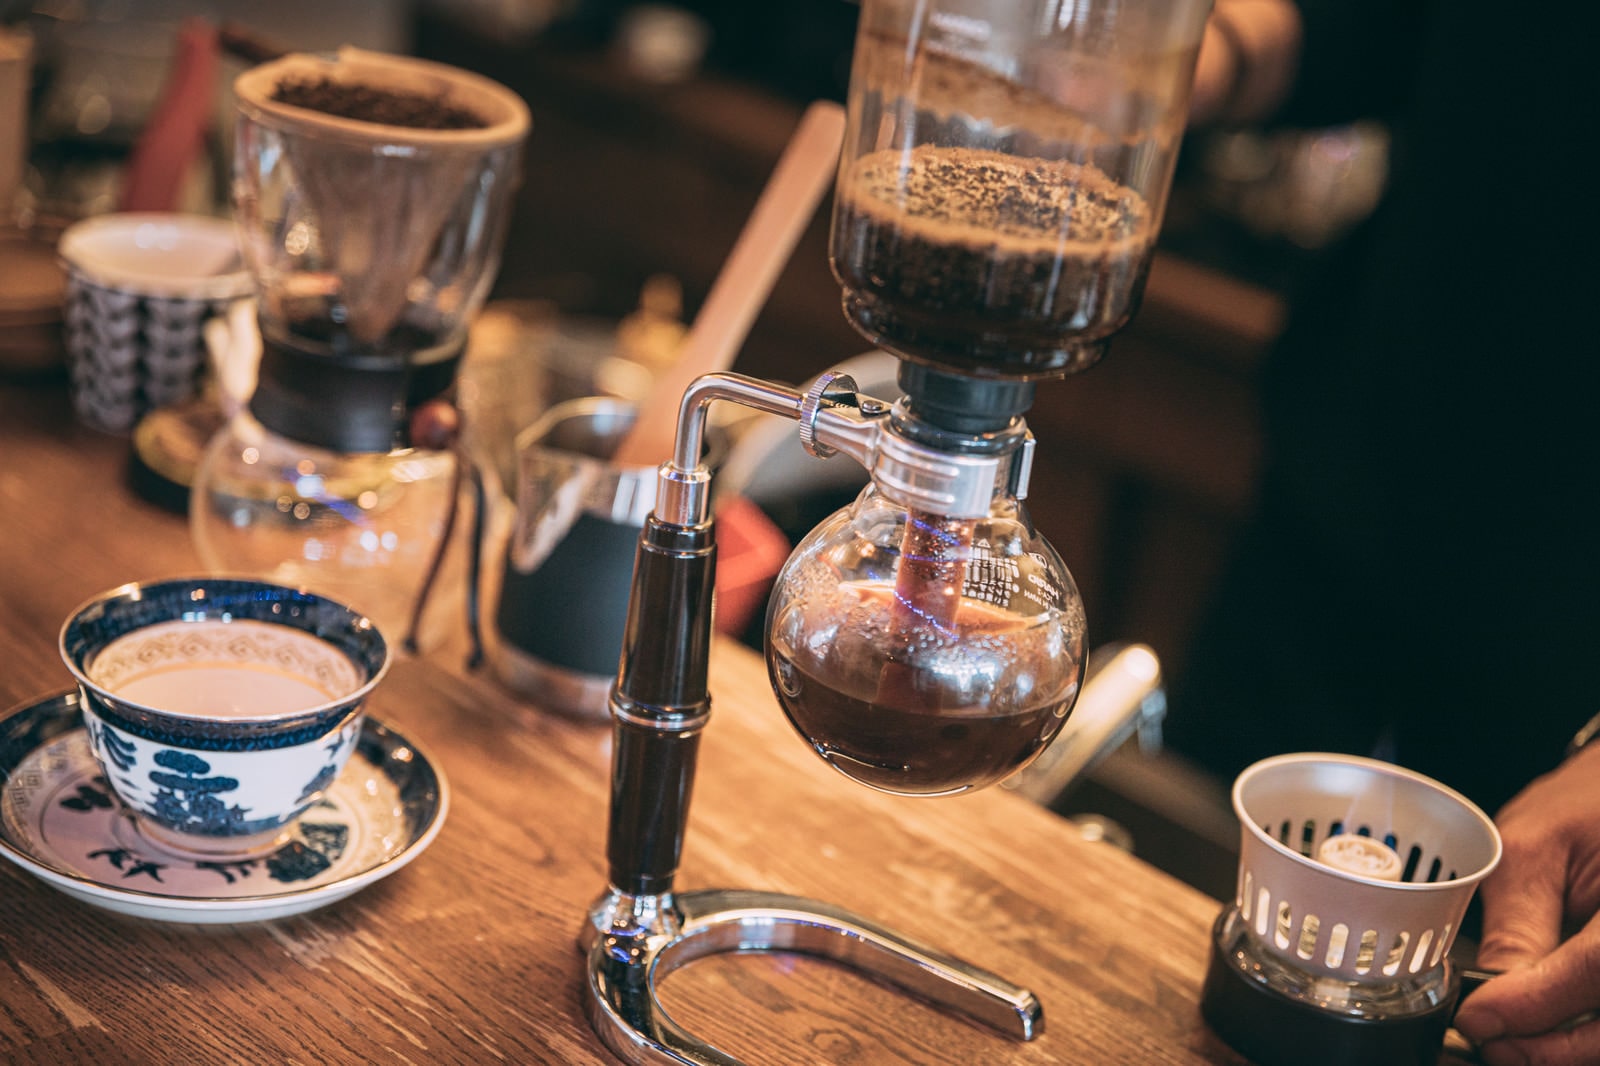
(61,823)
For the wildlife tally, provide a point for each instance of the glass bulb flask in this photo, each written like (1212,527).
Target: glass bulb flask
(922,655)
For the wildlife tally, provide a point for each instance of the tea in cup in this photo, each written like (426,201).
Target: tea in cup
(221,709)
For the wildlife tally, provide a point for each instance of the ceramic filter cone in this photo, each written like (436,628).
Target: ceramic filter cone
(379,194)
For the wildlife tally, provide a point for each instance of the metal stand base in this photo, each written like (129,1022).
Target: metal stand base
(627,958)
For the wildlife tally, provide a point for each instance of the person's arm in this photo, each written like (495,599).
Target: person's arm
(1306,62)
(1547,884)
(1248,58)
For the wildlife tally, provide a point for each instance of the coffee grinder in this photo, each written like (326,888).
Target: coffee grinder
(1003,178)
(371,194)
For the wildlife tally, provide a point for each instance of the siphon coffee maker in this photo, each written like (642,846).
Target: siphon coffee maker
(371,194)
(1002,183)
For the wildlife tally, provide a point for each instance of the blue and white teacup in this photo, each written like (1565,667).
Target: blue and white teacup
(220,709)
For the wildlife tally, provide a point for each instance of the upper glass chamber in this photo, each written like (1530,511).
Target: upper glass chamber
(1004,175)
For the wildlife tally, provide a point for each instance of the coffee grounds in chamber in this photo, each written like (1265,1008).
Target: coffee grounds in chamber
(987,262)
(366,103)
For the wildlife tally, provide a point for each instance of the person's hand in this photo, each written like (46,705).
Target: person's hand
(1547,883)
(1247,61)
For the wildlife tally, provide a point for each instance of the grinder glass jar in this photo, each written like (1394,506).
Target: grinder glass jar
(372,194)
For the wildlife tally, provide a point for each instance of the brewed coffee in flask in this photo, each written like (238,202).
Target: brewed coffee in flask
(927,698)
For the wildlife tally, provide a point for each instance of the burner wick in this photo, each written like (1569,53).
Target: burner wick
(1360,855)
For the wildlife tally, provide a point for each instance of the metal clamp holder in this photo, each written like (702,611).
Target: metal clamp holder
(834,418)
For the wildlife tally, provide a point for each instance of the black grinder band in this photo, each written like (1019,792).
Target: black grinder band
(343,402)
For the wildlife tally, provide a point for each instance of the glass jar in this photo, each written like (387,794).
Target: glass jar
(372,194)
(1005,171)
(360,527)
(925,656)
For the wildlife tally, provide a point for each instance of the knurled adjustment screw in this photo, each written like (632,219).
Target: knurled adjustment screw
(831,388)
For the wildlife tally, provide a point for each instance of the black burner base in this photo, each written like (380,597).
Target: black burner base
(1273,1030)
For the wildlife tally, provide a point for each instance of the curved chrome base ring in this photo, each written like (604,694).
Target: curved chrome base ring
(625,967)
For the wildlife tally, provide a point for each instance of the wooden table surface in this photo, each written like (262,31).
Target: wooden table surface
(468,954)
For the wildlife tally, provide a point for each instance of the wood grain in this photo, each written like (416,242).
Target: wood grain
(468,955)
